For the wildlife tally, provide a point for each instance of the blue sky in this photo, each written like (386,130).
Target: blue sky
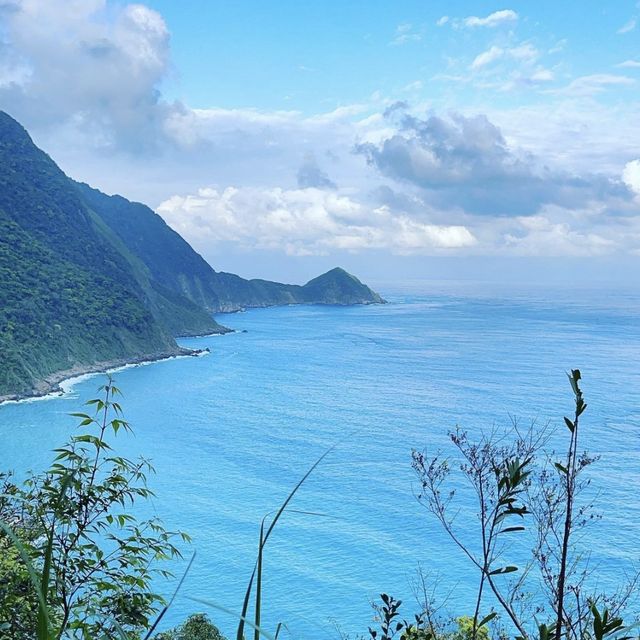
(405,137)
(315,56)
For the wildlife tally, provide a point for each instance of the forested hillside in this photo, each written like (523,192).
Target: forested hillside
(88,279)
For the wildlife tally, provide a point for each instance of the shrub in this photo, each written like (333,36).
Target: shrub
(196,627)
(73,527)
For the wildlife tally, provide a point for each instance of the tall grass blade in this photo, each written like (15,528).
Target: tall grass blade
(122,634)
(283,506)
(175,593)
(256,635)
(33,577)
(43,616)
(208,603)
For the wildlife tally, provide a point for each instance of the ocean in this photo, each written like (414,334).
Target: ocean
(231,433)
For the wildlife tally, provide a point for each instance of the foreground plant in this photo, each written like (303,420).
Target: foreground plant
(73,528)
(196,627)
(525,495)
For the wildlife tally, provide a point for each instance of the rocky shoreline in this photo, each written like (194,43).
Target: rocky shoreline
(52,384)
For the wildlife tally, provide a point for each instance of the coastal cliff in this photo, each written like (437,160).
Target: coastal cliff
(89,281)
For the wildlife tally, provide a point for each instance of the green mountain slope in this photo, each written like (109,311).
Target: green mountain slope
(147,236)
(168,257)
(338,287)
(69,296)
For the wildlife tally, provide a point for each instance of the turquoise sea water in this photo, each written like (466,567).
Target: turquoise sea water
(231,433)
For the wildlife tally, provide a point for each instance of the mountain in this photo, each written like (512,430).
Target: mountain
(147,236)
(71,294)
(89,281)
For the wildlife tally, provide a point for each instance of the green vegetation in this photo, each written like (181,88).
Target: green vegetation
(528,500)
(75,563)
(69,295)
(196,627)
(72,527)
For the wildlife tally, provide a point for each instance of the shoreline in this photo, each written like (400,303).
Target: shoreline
(60,383)
(207,335)
(232,309)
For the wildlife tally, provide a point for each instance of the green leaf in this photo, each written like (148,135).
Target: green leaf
(43,633)
(508,569)
(487,619)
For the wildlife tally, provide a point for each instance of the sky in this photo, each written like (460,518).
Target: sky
(404,139)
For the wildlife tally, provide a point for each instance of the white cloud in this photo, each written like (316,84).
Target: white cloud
(492,20)
(442,21)
(628,26)
(405,33)
(465,163)
(542,75)
(629,64)
(85,77)
(593,84)
(416,85)
(558,46)
(487,57)
(631,175)
(575,134)
(303,222)
(540,235)
(96,65)
(524,52)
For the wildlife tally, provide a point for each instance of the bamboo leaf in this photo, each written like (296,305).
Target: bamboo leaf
(487,618)
(502,570)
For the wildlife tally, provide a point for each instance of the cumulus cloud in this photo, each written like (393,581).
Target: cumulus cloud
(629,64)
(542,75)
(631,175)
(522,53)
(506,68)
(465,163)
(541,235)
(310,175)
(85,77)
(81,61)
(492,20)
(307,221)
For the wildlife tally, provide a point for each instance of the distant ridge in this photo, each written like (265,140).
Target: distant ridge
(94,281)
(149,237)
